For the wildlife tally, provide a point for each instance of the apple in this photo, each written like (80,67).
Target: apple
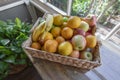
(86,55)
(79,31)
(84,26)
(91,20)
(75,54)
(87,33)
(65,19)
(78,42)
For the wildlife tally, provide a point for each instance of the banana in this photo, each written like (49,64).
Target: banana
(49,25)
(38,31)
(49,22)
(43,28)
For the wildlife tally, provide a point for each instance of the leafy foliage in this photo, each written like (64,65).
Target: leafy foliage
(80,7)
(12,35)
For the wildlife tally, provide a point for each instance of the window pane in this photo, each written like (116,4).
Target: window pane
(61,4)
(80,7)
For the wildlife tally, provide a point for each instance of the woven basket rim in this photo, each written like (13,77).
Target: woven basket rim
(61,55)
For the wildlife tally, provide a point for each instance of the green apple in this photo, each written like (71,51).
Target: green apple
(86,55)
(84,26)
(65,19)
(78,42)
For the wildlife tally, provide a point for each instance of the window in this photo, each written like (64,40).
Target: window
(61,4)
(80,7)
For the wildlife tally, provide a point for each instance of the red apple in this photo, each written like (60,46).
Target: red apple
(87,33)
(75,54)
(91,20)
(86,55)
(79,31)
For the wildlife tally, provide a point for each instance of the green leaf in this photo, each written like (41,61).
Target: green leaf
(10,59)
(2,55)
(21,36)
(5,50)
(23,56)
(18,22)
(2,47)
(16,49)
(3,66)
(2,23)
(21,61)
(5,41)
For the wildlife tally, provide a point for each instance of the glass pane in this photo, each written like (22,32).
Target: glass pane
(80,7)
(61,4)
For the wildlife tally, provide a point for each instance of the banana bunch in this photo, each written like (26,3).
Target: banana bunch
(49,23)
(38,31)
(42,28)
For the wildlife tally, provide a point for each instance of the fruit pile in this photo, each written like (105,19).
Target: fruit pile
(68,36)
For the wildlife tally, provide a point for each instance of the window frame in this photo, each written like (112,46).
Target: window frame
(49,5)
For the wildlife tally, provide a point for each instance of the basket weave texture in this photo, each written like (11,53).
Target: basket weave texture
(66,60)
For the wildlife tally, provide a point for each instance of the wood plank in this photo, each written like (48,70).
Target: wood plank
(54,71)
(29,73)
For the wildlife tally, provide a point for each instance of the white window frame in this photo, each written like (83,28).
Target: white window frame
(49,5)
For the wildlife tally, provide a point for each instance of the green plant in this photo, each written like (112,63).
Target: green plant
(80,7)
(12,35)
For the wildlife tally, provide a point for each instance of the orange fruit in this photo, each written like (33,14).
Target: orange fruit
(48,36)
(35,45)
(56,31)
(67,32)
(74,22)
(51,46)
(65,48)
(91,41)
(60,39)
(58,19)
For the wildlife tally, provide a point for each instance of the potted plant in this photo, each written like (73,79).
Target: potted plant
(12,35)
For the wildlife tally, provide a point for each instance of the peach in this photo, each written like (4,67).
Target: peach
(91,41)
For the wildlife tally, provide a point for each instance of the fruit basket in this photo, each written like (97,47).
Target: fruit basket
(64,59)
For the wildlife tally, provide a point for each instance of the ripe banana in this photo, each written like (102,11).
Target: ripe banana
(49,22)
(49,25)
(38,31)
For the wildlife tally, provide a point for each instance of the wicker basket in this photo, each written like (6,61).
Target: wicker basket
(66,60)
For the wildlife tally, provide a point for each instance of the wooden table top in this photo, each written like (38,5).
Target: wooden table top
(109,70)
